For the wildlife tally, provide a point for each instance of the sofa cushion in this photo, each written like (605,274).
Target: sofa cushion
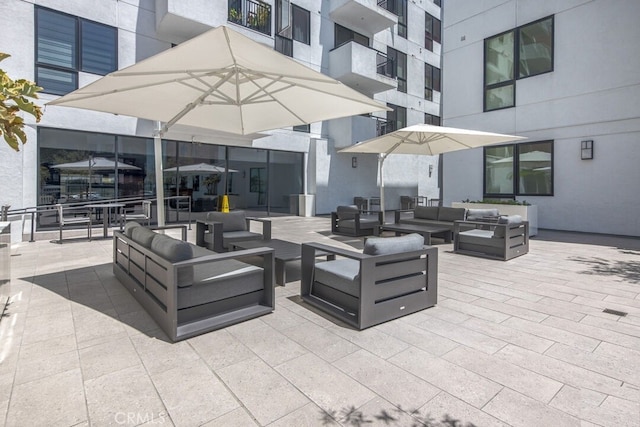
(510,221)
(479,214)
(347,211)
(216,281)
(393,245)
(174,250)
(341,274)
(365,223)
(426,212)
(143,236)
(451,214)
(129,226)
(231,221)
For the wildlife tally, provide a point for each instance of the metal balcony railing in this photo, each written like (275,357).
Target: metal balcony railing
(251,14)
(385,66)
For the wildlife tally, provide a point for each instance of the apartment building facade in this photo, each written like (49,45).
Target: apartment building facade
(564,75)
(389,50)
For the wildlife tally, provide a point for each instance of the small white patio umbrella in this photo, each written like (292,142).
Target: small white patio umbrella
(424,139)
(220,80)
(200,169)
(95,163)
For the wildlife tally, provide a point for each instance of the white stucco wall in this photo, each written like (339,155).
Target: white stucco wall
(592,93)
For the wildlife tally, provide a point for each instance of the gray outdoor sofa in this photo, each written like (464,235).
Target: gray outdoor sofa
(504,240)
(393,277)
(190,290)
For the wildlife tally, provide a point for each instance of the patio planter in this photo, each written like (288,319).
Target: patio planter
(528,213)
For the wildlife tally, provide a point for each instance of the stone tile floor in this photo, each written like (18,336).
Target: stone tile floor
(521,343)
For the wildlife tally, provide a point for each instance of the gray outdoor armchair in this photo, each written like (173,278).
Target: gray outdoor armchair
(221,228)
(350,220)
(505,239)
(393,277)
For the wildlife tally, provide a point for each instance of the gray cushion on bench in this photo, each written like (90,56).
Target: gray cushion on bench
(143,236)
(341,274)
(426,212)
(393,245)
(451,214)
(174,250)
(480,237)
(364,223)
(129,226)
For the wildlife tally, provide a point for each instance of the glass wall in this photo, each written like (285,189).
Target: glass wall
(77,166)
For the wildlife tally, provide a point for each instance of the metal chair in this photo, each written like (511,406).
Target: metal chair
(144,215)
(73,220)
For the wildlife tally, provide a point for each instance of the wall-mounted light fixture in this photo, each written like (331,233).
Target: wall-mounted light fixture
(430,170)
(354,162)
(586,149)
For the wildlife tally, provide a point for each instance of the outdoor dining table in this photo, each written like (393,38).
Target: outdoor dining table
(106,209)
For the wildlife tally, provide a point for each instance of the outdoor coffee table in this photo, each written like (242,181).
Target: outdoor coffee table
(283,251)
(425,230)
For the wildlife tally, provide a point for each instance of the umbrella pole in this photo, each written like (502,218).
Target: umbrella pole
(381,158)
(157,141)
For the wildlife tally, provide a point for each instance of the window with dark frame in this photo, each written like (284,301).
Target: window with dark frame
(431,81)
(396,118)
(399,60)
(430,119)
(301,24)
(66,44)
(344,35)
(432,31)
(524,169)
(302,128)
(399,8)
(523,52)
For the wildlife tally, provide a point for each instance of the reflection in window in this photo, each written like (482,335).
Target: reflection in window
(345,35)
(399,61)
(301,25)
(530,165)
(432,31)
(534,44)
(431,81)
(536,48)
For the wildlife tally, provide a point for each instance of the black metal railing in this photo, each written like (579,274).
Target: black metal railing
(250,14)
(385,66)
(284,45)
(384,126)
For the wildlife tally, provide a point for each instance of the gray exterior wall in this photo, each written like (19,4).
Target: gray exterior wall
(592,94)
(146,27)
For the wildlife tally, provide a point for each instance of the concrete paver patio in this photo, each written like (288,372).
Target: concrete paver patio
(518,343)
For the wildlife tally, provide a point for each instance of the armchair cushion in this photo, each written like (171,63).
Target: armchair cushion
(231,221)
(347,212)
(365,223)
(342,274)
(174,250)
(478,214)
(426,212)
(393,245)
(509,220)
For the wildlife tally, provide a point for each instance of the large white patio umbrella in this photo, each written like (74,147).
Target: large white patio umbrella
(224,81)
(424,139)
(95,163)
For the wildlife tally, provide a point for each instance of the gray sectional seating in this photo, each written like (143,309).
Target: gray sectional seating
(392,277)
(431,215)
(350,220)
(221,228)
(189,290)
(506,239)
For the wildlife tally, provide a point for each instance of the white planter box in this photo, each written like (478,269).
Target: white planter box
(528,213)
